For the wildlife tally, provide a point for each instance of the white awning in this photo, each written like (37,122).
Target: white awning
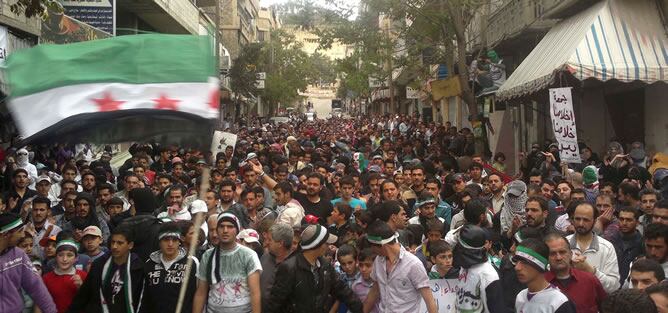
(614,39)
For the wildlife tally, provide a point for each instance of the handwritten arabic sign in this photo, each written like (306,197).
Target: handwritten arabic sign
(563,124)
(445,295)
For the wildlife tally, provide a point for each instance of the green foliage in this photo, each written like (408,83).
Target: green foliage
(39,8)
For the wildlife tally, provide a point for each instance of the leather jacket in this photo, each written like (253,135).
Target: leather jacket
(295,289)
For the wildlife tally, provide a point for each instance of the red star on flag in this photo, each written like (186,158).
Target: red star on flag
(107,103)
(214,101)
(165,103)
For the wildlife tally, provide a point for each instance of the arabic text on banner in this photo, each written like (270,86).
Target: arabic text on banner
(445,295)
(563,124)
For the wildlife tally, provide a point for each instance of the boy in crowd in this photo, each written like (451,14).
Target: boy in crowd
(65,280)
(540,296)
(347,184)
(441,256)
(340,220)
(434,233)
(92,241)
(347,257)
(363,284)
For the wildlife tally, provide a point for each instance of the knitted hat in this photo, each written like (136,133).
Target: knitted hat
(315,235)
(229,217)
(589,175)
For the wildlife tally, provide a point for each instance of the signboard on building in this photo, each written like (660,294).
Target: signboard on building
(61,29)
(563,124)
(97,13)
(3,44)
(412,93)
(259,84)
(445,295)
(261,76)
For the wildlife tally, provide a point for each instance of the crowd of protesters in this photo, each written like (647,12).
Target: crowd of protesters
(335,215)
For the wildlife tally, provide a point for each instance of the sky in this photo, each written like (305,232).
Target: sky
(324,3)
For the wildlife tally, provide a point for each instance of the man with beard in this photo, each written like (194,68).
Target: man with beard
(40,224)
(88,182)
(583,288)
(312,202)
(593,254)
(104,194)
(648,199)
(496,187)
(288,210)
(227,203)
(536,215)
(84,216)
(427,207)
(19,192)
(627,240)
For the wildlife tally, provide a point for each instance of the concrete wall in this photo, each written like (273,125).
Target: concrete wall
(656,118)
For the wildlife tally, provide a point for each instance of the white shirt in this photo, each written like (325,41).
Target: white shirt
(602,256)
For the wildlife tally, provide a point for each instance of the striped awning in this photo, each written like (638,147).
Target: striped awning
(614,39)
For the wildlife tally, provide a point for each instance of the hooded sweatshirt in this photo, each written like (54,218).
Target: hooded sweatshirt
(163,283)
(23,162)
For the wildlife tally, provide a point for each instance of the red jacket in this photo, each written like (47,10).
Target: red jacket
(584,290)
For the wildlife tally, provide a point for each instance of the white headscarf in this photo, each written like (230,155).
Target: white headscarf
(22,157)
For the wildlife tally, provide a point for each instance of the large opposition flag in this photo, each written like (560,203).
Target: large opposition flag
(138,87)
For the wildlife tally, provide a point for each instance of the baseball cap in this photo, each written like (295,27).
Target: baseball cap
(250,156)
(42,178)
(516,188)
(198,206)
(249,235)
(93,231)
(315,235)
(176,160)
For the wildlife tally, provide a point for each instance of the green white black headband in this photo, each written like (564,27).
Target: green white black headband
(67,243)
(17,223)
(531,256)
(171,235)
(377,240)
(425,202)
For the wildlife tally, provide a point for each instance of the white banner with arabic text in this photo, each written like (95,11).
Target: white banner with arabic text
(563,124)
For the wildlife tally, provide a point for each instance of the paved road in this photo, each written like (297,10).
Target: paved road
(322,106)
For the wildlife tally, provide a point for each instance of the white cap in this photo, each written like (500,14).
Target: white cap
(198,206)
(249,235)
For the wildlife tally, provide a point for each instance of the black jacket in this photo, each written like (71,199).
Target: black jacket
(296,291)
(145,229)
(162,286)
(88,299)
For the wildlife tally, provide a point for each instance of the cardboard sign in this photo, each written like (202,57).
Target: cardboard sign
(222,140)
(445,295)
(563,124)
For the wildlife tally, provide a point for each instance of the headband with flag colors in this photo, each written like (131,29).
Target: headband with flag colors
(169,235)
(531,256)
(106,90)
(67,243)
(16,223)
(377,240)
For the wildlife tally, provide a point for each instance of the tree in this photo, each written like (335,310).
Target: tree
(40,8)
(425,28)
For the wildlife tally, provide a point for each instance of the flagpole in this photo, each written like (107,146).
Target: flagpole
(203,187)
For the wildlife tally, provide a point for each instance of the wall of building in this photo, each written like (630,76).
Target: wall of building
(656,117)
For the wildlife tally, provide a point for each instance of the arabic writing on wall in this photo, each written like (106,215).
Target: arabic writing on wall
(563,124)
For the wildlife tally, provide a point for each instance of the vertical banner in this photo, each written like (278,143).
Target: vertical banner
(445,295)
(563,124)
(3,44)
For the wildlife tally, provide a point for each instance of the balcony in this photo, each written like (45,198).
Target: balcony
(565,8)
(516,18)
(166,16)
